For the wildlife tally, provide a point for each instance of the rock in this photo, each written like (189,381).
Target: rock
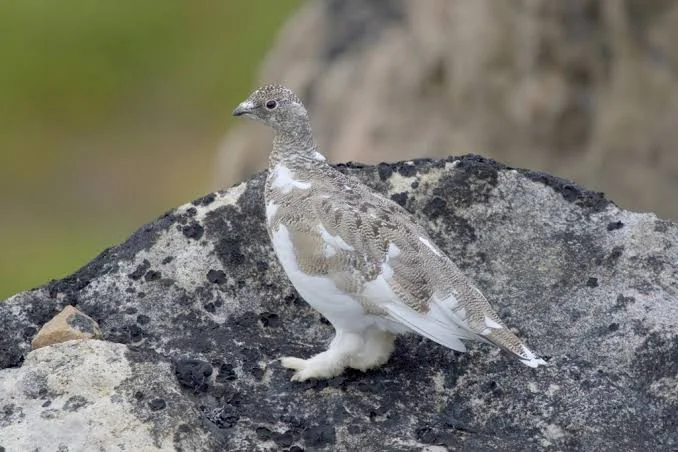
(68,325)
(587,90)
(96,395)
(598,301)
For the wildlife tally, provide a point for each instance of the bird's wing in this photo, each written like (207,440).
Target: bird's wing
(374,250)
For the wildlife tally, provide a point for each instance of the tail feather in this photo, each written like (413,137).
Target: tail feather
(510,343)
(473,313)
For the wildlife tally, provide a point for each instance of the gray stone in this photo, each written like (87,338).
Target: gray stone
(94,395)
(592,287)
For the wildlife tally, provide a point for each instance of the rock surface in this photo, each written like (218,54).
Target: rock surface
(587,89)
(69,324)
(590,286)
(86,395)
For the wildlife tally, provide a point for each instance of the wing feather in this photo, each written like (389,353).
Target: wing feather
(444,333)
(381,235)
(374,250)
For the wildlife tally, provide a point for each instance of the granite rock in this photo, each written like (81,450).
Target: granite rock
(593,288)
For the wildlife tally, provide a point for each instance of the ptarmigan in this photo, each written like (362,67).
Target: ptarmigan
(359,258)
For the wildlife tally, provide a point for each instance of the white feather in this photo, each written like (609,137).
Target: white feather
(430,246)
(271,209)
(392,251)
(320,292)
(531,359)
(443,323)
(492,324)
(433,324)
(445,334)
(284,180)
(334,241)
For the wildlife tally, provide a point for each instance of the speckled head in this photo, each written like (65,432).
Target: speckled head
(274,105)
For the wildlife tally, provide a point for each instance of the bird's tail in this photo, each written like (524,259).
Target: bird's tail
(503,338)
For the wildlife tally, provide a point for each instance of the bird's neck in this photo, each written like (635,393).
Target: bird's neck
(294,147)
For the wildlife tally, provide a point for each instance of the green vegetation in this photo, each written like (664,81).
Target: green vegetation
(111,113)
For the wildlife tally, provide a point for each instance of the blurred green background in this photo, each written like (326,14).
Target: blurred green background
(110,114)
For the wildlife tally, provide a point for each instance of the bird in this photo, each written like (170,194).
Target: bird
(359,258)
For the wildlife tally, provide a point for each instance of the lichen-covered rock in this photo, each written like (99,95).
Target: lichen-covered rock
(93,395)
(69,324)
(590,286)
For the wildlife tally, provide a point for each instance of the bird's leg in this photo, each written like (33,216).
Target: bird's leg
(362,351)
(376,350)
(329,363)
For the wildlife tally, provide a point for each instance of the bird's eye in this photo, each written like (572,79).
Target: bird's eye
(271,104)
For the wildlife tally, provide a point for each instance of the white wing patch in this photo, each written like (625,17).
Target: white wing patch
(284,180)
(330,251)
(271,209)
(386,269)
(430,246)
(320,292)
(444,333)
(531,359)
(333,242)
(492,324)
(393,251)
(438,324)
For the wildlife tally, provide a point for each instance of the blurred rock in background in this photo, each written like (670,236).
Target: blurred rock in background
(112,112)
(583,89)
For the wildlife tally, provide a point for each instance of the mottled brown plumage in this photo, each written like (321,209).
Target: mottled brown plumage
(360,258)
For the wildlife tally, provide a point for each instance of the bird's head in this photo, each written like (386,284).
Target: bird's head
(275,106)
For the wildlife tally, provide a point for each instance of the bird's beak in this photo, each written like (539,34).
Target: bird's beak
(243,109)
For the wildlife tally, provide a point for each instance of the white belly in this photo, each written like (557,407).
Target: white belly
(342,310)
